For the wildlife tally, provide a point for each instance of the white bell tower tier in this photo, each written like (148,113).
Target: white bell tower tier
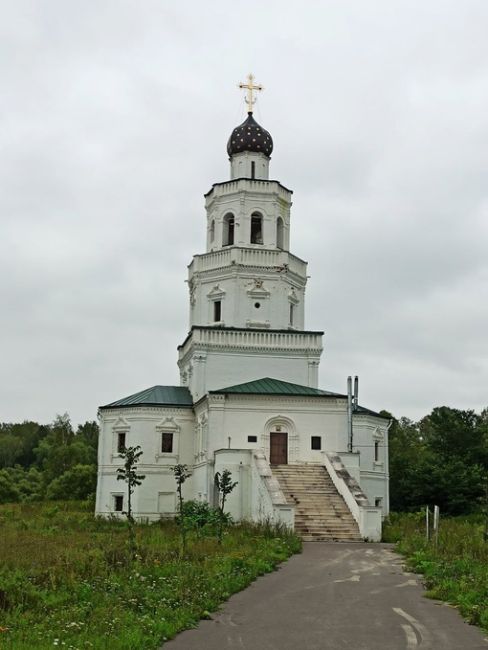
(247,292)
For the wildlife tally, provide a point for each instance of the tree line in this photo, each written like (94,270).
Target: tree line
(442,459)
(51,461)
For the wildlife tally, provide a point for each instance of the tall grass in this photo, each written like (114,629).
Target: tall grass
(68,580)
(456,568)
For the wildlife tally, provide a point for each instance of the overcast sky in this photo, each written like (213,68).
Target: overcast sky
(114,117)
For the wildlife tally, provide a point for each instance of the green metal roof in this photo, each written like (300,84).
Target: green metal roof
(156,396)
(269,386)
(364,411)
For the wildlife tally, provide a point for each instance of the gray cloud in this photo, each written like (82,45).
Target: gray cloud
(114,119)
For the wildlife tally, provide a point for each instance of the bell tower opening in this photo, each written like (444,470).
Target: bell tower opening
(228,232)
(279,233)
(256,228)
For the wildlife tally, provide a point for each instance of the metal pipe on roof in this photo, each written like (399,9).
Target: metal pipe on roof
(349,413)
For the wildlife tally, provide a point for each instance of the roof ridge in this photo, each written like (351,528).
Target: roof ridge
(273,386)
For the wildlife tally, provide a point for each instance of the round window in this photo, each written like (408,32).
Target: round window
(257,305)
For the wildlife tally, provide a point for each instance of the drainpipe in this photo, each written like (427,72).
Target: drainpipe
(387,465)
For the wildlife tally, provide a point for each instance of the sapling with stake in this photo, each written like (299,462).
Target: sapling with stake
(224,485)
(128,474)
(181,473)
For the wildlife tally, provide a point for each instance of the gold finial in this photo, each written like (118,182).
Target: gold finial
(250,87)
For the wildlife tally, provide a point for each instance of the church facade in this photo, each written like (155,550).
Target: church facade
(248,398)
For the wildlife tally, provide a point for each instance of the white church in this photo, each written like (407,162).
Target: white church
(248,398)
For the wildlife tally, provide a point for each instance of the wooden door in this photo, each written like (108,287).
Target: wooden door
(278,448)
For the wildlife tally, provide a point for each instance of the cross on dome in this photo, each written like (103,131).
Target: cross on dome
(250,86)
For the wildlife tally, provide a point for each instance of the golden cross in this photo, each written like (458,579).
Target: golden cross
(250,86)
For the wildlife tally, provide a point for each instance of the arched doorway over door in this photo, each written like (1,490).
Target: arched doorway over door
(278,448)
(286,447)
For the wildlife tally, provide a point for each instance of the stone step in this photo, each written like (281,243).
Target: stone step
(338,523)
(326,529)
(325,537)
(333,521)
(326,511)
(330,532)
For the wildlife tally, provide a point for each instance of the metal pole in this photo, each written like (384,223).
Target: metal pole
(356,393)
(427,531)
(436,524)
(349,413)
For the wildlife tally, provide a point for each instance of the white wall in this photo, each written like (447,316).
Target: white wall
(240,165)
(367,430)
(238,416)
(240,289)
(212,359)
(143,426)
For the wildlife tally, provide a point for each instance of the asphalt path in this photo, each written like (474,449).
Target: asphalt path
(334,596)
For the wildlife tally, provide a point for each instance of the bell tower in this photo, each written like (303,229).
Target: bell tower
(247,291)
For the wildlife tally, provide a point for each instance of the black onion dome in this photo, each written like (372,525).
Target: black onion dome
(250,136)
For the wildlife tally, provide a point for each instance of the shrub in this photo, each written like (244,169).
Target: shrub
(200,515)
(74,484)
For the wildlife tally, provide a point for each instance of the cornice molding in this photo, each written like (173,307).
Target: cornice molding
(151,412)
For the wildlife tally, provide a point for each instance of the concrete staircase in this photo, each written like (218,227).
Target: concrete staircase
(320,511)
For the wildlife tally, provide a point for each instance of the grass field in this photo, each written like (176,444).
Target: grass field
(456,569)
(66,579)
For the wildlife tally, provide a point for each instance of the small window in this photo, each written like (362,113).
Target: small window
(118,503)
(292,313)
(252,438)
(316,442)
(256,228)
(217,311)
(253,169)
(212,230)
(257,305)
(376,451)
(378,502)
(121,442)
(167,443)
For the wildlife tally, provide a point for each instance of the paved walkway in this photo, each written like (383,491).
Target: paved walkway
(334,596)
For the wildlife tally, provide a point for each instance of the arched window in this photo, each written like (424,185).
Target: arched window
(228,234)
(253,169)
(279,233)
(256,228)
(212,230)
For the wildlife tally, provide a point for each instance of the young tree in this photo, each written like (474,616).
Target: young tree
(181,473)
(224,485)
(128,473)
